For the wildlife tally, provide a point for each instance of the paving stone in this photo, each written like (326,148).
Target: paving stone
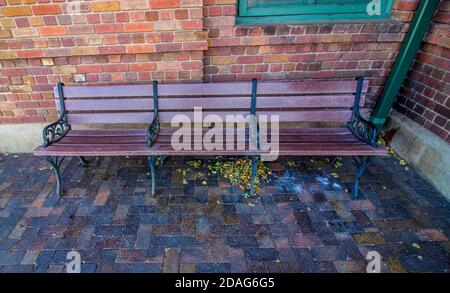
(16,269)
(431,235)
(188,268)
(30,257)
(369,238)
(305,261)
(9,258)
(344,266)
(171,261)
(55,269)
(395,266)
(43,261)
(304,240)
(328,253)
(261,254)
(303,221)
(241,241)
(144,235)
(420,264)
(132,255)
(237,260)
(213,268)
(144,268)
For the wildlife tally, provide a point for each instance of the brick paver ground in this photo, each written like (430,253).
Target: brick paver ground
(304,220)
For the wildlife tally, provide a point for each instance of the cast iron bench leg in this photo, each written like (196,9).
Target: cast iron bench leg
(152,163)
(162,160)
(56,163)
(361,167)
(83,161)
(255,160)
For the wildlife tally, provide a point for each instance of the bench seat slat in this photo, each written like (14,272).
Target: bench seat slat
(167,140)
(110,150)
(140,150)
(302,141)
(289,149)
(107,132)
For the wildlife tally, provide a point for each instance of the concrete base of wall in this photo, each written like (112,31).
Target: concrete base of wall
(425,151)
(20,138)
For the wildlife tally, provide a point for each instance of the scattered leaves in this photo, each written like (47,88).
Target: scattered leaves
(195,164)
(335,175)
(392,153)
(238,172)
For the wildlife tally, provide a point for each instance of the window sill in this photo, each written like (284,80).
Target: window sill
(244,22)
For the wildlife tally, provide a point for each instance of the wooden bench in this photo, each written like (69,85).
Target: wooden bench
(335,102)
(131,104)
(294,102)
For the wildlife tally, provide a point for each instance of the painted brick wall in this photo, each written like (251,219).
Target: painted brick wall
(43,42)
(425,96)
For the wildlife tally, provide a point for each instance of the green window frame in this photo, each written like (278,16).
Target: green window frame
(270,11)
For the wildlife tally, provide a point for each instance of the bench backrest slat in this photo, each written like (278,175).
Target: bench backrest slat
(309,87)
(263,102)
(308,101)
(166,117)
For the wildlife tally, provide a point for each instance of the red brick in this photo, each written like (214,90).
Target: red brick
(249,59)
(138,27)
(45,9)
(52,31)
(108,28)
(158,4)
(143,67)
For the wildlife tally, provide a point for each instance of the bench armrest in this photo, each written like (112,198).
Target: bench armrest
(364,130)
(55,131)
(153,132)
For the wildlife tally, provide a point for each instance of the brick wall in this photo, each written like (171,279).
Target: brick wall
(303,51)
(43,42)
(135,41)
(425,96)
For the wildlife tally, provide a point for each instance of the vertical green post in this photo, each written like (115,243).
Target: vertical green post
(419,27)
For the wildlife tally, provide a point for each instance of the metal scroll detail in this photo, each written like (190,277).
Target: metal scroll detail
(55,132)
(364,130)
(153,132)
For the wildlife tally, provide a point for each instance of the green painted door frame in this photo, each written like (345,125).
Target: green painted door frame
(405,59)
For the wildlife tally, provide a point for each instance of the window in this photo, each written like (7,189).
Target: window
(266,11)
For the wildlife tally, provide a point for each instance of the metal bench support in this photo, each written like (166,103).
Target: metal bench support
(56,164)
(361,166)
(83,161)
(255,160)
(152,163)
